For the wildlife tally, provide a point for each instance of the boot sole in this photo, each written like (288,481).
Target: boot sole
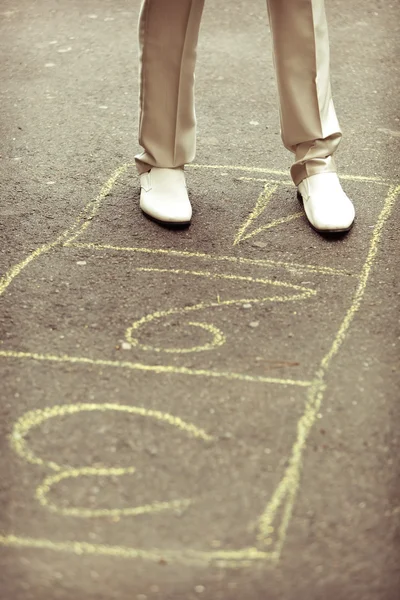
(168,224)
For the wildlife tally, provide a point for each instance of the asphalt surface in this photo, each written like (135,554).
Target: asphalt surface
(207,413)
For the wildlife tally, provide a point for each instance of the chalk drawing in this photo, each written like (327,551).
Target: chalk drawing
(218,336)
(35,418)
(274,520)
(261,204)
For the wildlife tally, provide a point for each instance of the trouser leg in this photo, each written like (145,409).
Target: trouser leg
(168,34)
(310,128)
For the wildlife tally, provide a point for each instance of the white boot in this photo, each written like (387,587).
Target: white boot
(327,207)
(164,197)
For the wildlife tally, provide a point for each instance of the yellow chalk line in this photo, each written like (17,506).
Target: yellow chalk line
(92,208)
(378,180)
(261,204)
(288,487)
(228,558)
(159,369)
(16,269)
(218,336)
(247,278)
(234,259)
(390,201)
(79,226)
(281,221)
(281,182)
(238,168)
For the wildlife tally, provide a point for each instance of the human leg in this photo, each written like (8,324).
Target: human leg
(310,128)
(168,34)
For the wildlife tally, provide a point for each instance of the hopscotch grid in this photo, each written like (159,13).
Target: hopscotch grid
(285,494)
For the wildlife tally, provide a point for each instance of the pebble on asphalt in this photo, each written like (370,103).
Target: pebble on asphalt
(199,589)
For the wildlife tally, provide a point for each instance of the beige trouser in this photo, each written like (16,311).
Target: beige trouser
(168,35)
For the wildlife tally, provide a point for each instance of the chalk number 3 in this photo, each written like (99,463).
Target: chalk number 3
(35,418)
